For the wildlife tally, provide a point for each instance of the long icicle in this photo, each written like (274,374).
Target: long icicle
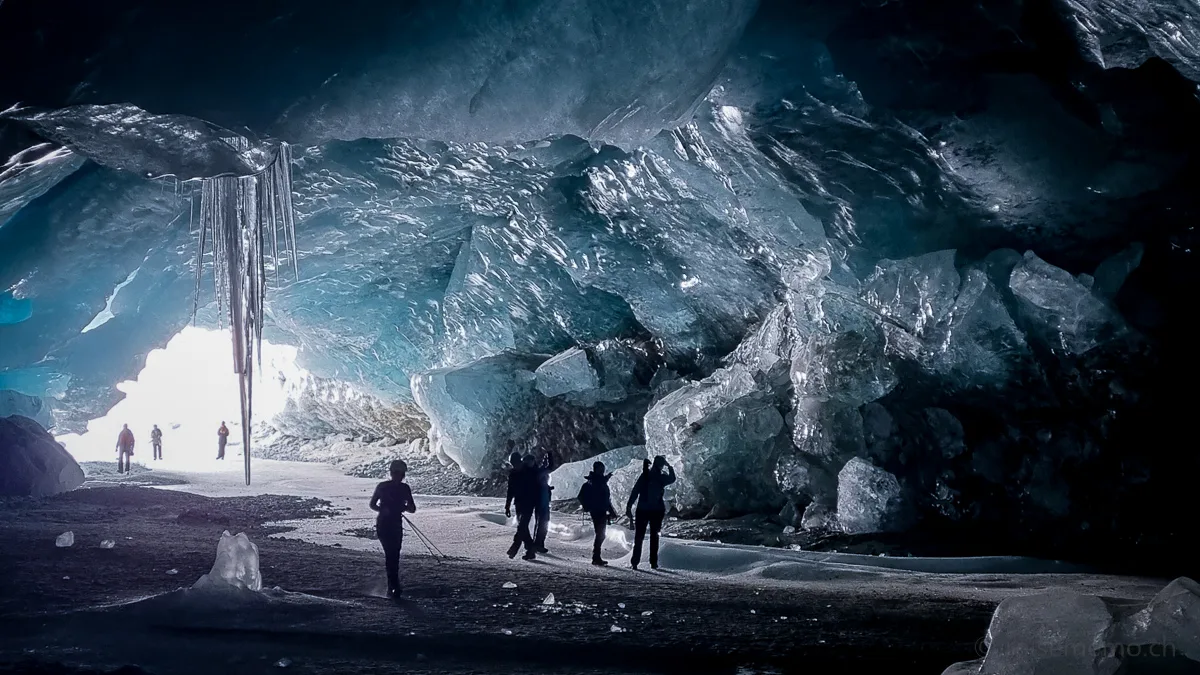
(238,214)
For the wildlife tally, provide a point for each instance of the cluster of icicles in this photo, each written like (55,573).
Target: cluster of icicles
(243,217)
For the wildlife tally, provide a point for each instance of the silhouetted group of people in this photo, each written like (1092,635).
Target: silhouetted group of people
(125,443)
(529,491)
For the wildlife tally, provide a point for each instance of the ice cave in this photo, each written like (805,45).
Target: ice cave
(895,288)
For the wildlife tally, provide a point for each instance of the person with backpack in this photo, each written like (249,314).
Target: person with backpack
(523,493)
(596,498)
(156,441)
(648,492)
(124,448)
(392,499)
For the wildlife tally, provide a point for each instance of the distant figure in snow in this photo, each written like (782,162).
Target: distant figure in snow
(596,499)
(651,507)
(156,441)
(392,499)
(522,492)
(541,514)
(124,448)
(222,439)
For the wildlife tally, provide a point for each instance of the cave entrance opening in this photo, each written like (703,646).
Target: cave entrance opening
(188,388)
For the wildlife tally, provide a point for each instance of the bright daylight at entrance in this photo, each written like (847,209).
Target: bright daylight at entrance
(187,390)
(620,336)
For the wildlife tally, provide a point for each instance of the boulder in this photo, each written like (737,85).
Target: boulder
(32,463)
(1171,620)
(1059,631)
(869,499)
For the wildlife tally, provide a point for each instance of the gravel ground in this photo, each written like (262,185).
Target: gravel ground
(56,605)
(68,610)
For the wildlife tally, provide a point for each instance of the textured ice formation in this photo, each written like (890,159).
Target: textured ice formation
(1171,619)
(1061,310)
(1120,35)
(14,310)
(724,435)
(568,372)
(236,566)
(126,137)
(869,499)
(28,174)
(977,345)
(620,71)
(916,292)
(477,409)
(568,478)
(318,407)
(1059,631)
(16,403)
(39,381)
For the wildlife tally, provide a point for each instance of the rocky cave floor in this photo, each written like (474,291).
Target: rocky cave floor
(73,610)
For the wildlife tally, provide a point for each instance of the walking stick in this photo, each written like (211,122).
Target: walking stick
(435,552)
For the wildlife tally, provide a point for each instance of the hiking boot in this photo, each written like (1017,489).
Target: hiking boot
(599,563)
(542,549)
(529,556)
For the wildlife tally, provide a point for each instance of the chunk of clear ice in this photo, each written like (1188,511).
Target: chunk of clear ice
(236,565)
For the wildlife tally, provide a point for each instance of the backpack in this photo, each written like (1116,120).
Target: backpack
(587,497)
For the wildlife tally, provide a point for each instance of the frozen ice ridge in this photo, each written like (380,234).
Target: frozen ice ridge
(236,565)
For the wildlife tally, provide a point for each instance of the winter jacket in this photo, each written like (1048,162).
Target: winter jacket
(523,489)
(649,491)
(595,496)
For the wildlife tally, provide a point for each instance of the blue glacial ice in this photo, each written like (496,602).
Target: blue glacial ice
(13,309)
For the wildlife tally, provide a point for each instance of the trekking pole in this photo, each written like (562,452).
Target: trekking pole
(429,545)
(430,542)
(425,543)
